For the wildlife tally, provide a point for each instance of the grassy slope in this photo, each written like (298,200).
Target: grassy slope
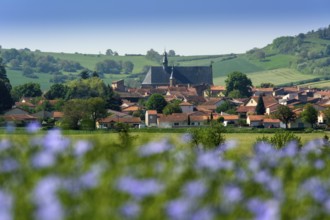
(276,68)
(89,60)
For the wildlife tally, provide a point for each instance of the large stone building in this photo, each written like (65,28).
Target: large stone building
(177,75)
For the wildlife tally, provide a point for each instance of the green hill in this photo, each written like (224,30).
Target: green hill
(286,60)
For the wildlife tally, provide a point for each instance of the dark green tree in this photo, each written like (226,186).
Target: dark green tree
(3,75)
(267,85)
(285,115)
(113,100)
(75,111)
(156,102)
(172,107)
(260,108)
(6,101)
(57,91)
(309,114)
(84,74)
(240,82)
(96,109)
(26,90)
(225,107)
(128,67)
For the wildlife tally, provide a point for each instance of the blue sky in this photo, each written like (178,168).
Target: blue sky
(135,26)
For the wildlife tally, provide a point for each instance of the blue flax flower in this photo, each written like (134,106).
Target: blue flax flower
(139,188)
(155,148)
(6,204)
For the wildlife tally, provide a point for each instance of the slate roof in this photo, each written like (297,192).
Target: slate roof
(193,75)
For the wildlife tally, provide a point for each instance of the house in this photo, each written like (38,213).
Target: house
(42,115)
(215,91)
(298,123)
(230,119)
(255,120)
(173,120)
(243,111)
(131,109)
(212,104)
(56,115)
(271,123)
(151,118)
(186,107)
(118,85)
(20,119)
(268,100)
(16,111)
(179,75)
(263,91)
(110,122)
(198,120)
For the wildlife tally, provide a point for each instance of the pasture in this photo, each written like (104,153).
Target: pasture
(276,76)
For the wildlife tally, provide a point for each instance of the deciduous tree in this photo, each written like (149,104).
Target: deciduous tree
(309,114)
(240,82)
(285,114)
(156,102)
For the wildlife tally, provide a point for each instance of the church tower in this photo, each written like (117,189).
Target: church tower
(165,61)
(172,79)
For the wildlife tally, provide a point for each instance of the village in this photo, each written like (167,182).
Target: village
(199,102)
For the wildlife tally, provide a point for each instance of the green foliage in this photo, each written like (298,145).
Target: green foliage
(86,88)
(260,108)
(225,106)
(240,82)
(6,101)
(208,137)
(128,67)
(172,107)
(30,89)
(326,113)
(267,85)
(125,137)
(309,114)
(113,100)
(285,115)
(109,66)
(83,113)
(281,139)
(156,102)
(57,91)
(153,55)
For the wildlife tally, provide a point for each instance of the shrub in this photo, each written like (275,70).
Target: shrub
(280,139)
(208,137)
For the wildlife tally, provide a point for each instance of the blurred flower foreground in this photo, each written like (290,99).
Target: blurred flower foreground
(53,177)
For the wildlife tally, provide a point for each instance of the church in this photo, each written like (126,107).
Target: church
(177,75)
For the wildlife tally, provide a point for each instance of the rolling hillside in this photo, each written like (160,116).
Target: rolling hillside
(285,60)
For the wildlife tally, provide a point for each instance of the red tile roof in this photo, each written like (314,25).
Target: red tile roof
(152,112)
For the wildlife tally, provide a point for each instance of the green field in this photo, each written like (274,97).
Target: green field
(323,84)
(89,60)
(276,76)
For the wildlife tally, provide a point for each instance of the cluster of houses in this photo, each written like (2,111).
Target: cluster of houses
(199,107)
(199,99)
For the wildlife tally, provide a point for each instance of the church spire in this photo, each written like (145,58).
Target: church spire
(165,61)
(172,79)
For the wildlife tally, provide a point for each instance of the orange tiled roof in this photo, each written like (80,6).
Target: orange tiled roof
(58,114)
(230,117)
(152,112)
(256,117)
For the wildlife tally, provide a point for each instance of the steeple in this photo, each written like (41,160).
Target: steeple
(165,61)
(172,79)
